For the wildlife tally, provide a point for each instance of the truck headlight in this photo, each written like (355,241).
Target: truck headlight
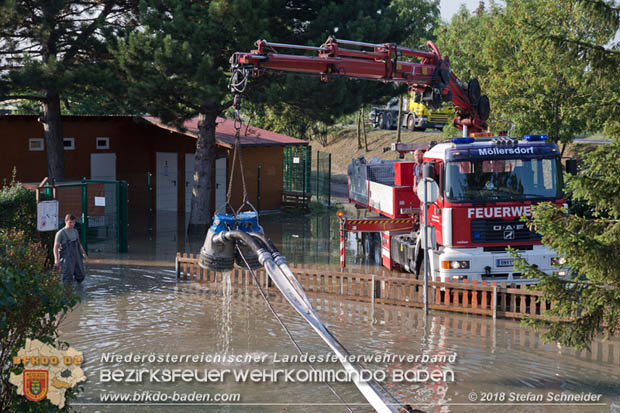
(558,261)
(455,265)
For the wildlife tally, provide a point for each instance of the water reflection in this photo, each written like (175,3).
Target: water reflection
(131,310)
(302,239)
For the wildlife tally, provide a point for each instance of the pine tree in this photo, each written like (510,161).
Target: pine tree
(590,242)
(296,103)
(177,65)
(52,49)
(535,85)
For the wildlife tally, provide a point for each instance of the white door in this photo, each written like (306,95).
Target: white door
(189,179)
(103,166)
(166,181)
(220,185)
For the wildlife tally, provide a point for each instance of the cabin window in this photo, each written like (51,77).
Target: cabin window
(69,144)
(103,143)
(36,144)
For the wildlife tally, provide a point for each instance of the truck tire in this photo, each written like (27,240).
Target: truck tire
(411,122)
(473,90)
(381,121)
(419,265)
(484,108)
(419,275)
(389,121)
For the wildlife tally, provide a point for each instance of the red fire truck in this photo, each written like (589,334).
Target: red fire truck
(486,184)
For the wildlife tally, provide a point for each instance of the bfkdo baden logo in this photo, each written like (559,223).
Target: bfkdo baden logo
(48,372)
(35,384)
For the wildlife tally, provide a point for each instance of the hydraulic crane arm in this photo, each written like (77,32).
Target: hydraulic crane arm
(431,77)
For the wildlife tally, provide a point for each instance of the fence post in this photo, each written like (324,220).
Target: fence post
(308,168)
(494,302)
(372,298)
(342,244)
(329,179)
(304,183)
(318,165)
(177,269)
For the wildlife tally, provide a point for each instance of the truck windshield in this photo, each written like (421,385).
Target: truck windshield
(503,179)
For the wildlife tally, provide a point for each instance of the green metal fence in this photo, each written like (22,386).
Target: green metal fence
(321,188)
(101,210)
(297,169)
(310,240)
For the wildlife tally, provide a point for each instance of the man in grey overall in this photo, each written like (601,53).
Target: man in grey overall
(68,252)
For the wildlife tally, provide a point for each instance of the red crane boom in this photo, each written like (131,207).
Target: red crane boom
(431,77)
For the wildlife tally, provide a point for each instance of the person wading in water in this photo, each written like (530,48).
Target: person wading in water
(68,252)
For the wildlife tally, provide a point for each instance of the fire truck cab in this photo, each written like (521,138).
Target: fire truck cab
(485,186)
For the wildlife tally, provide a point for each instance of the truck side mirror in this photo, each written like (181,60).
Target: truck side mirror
(571,166)
(427,171)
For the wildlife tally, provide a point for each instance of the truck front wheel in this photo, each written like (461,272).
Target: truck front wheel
(411,122)
(381,121)
(419,265)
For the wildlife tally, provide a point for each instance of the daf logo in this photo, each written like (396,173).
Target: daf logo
(508,227)
(509,234)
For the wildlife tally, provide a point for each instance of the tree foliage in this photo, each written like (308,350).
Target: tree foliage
(52,51)
(177,65)
(32,304)
(303,106)
(535,84)
(176,68)
(590,242)
(18,209)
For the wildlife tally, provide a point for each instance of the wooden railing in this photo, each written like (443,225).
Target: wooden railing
(488,299)
(492,335)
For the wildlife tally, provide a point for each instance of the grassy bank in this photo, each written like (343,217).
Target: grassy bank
(342,144)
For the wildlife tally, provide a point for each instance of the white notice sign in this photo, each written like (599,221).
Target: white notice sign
(47,216)
(295,159)
(100,201)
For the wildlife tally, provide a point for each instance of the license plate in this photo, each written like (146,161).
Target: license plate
(504,262)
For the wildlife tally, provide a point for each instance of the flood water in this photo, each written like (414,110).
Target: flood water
(302,239)
(135,306)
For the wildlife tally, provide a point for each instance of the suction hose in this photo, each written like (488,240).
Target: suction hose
(286,282)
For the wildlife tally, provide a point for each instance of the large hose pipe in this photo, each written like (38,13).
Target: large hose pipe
(286,282)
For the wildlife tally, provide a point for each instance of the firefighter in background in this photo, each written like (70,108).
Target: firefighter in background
(418,157)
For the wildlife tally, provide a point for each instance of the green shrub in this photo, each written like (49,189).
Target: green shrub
(32,303)
(18,209)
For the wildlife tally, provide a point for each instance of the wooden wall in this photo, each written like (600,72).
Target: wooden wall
(135,143)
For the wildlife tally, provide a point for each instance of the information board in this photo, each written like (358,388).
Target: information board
(47,216)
